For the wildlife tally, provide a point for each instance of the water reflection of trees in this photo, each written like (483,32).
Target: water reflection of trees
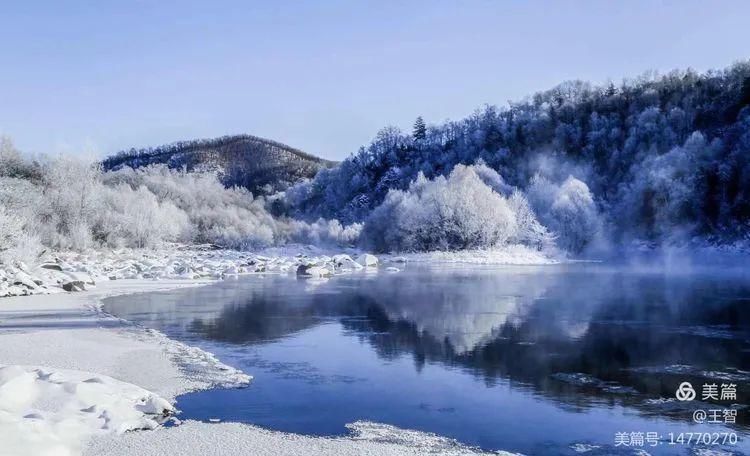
(521,326)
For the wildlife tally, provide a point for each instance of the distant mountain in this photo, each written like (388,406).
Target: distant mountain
(260,165)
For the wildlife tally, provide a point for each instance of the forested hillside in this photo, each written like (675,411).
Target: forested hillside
(664,159)
(574,170)
(259,165)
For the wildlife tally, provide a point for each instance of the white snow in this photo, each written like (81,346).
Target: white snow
(508,255)
(52,412)
(229,439)
(71,271)
(72,342)
(367,260)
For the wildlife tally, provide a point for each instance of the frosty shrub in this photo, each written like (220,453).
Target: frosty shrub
(16,244)
(11,227)
(529,231)
(25,200)
(324,232)
(71,189)
(492,178)
(227,217)
(135,218)
(661,197)
(13,164)
(568,210)
(457,212)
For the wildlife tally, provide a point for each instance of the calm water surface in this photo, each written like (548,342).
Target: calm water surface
(540,360)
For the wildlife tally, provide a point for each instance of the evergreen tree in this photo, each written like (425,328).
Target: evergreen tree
(420,129)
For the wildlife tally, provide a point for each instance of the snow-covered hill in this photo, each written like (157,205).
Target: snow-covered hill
(260,165)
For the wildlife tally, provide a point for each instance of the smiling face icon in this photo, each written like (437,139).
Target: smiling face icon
(685,392)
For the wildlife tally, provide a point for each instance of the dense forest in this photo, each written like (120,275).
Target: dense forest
(665,158)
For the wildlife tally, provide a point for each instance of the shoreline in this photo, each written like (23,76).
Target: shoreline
(64,332)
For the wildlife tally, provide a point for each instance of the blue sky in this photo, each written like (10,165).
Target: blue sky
(96,77)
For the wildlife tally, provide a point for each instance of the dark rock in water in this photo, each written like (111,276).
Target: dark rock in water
(74,285)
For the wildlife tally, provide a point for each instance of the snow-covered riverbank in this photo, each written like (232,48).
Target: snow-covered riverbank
(73,379)
(70,271)
(71,393)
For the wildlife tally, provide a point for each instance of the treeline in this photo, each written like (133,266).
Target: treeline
(656,160)
(667,159)
(65,203)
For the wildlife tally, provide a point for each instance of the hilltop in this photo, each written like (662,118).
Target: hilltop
(261,165)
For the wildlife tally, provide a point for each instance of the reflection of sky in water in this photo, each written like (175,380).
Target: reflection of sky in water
(531,359)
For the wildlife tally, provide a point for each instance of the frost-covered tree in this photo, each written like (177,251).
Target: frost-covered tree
(568,210)
(614,138)
(17,245)
(530,231)
(228,217)
(71,189)
(136,218)
(323,233)
(419,132)
(453,213)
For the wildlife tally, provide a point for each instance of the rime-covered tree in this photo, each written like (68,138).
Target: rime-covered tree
(419,132)
(658,155)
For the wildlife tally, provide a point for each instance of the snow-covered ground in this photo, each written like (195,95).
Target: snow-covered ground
(52,411)
(73,379)
(78,352)
(226,439)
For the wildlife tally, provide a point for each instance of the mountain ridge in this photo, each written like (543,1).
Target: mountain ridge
(261,165)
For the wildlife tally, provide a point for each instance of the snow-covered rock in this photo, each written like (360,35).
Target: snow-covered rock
(22,278)
(313,271)
(73,271)
(74,285)
(367,259)
(344,261)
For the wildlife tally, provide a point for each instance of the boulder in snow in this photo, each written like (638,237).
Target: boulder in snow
(308,270)
(22,278)
(74,285)
(345,262)
(367,260)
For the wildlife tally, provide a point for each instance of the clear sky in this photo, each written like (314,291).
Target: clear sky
(323,76)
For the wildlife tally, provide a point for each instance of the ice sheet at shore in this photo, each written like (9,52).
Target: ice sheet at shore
(229,439)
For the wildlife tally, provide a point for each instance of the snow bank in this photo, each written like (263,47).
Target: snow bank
(509,255)
(229,439)
(51,411)
(69,271)
(61,333)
